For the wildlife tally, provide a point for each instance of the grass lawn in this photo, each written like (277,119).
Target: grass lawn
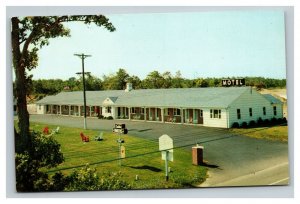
(275,133)
(142,159)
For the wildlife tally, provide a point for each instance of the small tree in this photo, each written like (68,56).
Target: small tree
(43,153)
(28,35)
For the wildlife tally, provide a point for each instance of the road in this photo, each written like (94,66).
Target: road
(232,160)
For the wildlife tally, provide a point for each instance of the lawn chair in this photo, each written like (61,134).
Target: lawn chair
(84,138)
(56,131)
(46,130)
(99,137)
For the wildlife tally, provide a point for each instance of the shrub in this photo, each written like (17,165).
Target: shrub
(284,120)
(235,125)
(244,125)
(252,123)
(274,121)
(266,122)
(100,116)
(87,179)
(109,118)
(279,121)
(259,121)
(44,152)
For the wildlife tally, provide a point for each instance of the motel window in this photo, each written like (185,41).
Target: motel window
(250,112)
(133,110)
(108,109)
(215,113)
(176,111)
(166,111)
(201,113)
(274,110)
(40,107)
(238,112)
(264,110)
(142,110)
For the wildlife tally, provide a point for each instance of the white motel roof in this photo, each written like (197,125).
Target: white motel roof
(220,97)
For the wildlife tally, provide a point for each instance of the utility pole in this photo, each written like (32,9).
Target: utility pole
(83,56)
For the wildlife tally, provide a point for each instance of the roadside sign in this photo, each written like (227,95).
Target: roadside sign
(123,152)
(165,143)
(166,148)
(120,128)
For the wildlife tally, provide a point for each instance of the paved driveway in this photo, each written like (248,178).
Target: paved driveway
(232,159)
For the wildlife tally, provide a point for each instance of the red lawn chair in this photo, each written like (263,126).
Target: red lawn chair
(46,130)
(84,138)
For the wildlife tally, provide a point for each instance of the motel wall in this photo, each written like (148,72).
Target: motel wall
(256,101)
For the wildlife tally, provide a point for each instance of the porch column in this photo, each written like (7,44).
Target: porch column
(129,113)
(59,109)
(69,110)
(121,112)
(145,116)
(51,109)
(193,115)
(181,114)
(186,116)
(155,114)
(79,111)
(162,115)
(90,111)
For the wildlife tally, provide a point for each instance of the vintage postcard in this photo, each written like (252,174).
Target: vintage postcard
(167,100)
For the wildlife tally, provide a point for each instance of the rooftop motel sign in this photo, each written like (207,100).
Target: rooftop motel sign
(233,82)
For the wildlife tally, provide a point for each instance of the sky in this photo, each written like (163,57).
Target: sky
(198,44)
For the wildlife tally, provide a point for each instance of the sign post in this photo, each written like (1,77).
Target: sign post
(120,129)
(166,148)
(166,165)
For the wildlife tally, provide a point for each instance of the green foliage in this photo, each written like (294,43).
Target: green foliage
(42,152)
(252,123)
(116,81)
(87,179)
(235,125)
(244,125)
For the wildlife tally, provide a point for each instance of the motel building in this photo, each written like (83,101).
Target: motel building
(211,107)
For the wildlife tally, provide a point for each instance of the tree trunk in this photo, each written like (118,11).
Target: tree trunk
(20,82)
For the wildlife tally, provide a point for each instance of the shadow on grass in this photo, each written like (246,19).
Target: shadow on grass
(144,130)
(213,166)
(146,167)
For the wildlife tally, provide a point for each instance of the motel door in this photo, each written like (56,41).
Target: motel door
(200,120)
(119,112)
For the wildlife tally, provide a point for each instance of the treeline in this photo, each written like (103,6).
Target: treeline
(154,80)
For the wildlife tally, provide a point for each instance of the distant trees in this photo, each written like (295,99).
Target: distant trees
(154,80)
(116,81)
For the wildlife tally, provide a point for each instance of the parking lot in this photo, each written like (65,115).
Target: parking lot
(231,159)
